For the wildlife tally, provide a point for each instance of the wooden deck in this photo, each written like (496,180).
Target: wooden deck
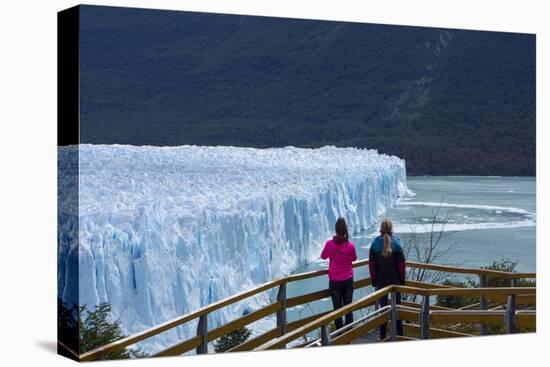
(512,307)
(368,338)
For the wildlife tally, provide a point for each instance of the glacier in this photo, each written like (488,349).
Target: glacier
(163,231)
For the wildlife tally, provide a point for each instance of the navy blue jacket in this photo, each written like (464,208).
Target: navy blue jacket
(389,270)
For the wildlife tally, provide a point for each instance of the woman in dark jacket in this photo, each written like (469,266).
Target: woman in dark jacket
(387,266)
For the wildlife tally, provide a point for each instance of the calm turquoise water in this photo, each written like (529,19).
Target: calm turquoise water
(489,218)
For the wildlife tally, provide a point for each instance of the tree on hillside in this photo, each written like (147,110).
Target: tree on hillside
(459,302)
(93,329)
(67,329)
(508,266)
(232,339)
(96,330)
(455,301)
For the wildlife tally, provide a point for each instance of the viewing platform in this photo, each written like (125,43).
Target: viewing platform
(513,308)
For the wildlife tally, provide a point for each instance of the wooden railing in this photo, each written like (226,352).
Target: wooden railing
(425,316)
(286,332)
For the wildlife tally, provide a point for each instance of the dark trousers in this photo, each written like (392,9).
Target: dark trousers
(384,302)
(341,294)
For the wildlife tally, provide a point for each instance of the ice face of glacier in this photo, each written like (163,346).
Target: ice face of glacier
(166,230)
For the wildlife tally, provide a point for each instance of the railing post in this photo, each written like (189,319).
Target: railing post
(393,316)
(482,303)
(425,318)
(202,330)
(325,335)
(509,317)
(281,314)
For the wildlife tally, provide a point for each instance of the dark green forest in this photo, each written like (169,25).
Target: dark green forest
(505,265)
(450,102)
(80,330)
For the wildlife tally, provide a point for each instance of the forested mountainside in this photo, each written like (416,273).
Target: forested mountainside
(450,102)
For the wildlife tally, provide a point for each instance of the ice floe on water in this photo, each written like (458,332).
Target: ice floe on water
(480,217)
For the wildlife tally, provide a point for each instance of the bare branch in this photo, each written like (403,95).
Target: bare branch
(432,250)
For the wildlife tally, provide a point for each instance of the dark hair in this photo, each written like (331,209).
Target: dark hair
(341,228)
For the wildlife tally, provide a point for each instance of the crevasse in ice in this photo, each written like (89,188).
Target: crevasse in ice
(163,231)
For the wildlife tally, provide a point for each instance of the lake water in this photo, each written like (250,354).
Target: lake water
(489,218)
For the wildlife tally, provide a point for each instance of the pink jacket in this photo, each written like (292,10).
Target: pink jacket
(341,254)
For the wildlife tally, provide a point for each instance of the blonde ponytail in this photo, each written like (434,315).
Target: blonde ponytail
(386,229)
(386,252)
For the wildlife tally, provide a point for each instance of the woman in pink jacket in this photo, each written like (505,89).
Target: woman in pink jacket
(341,253)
